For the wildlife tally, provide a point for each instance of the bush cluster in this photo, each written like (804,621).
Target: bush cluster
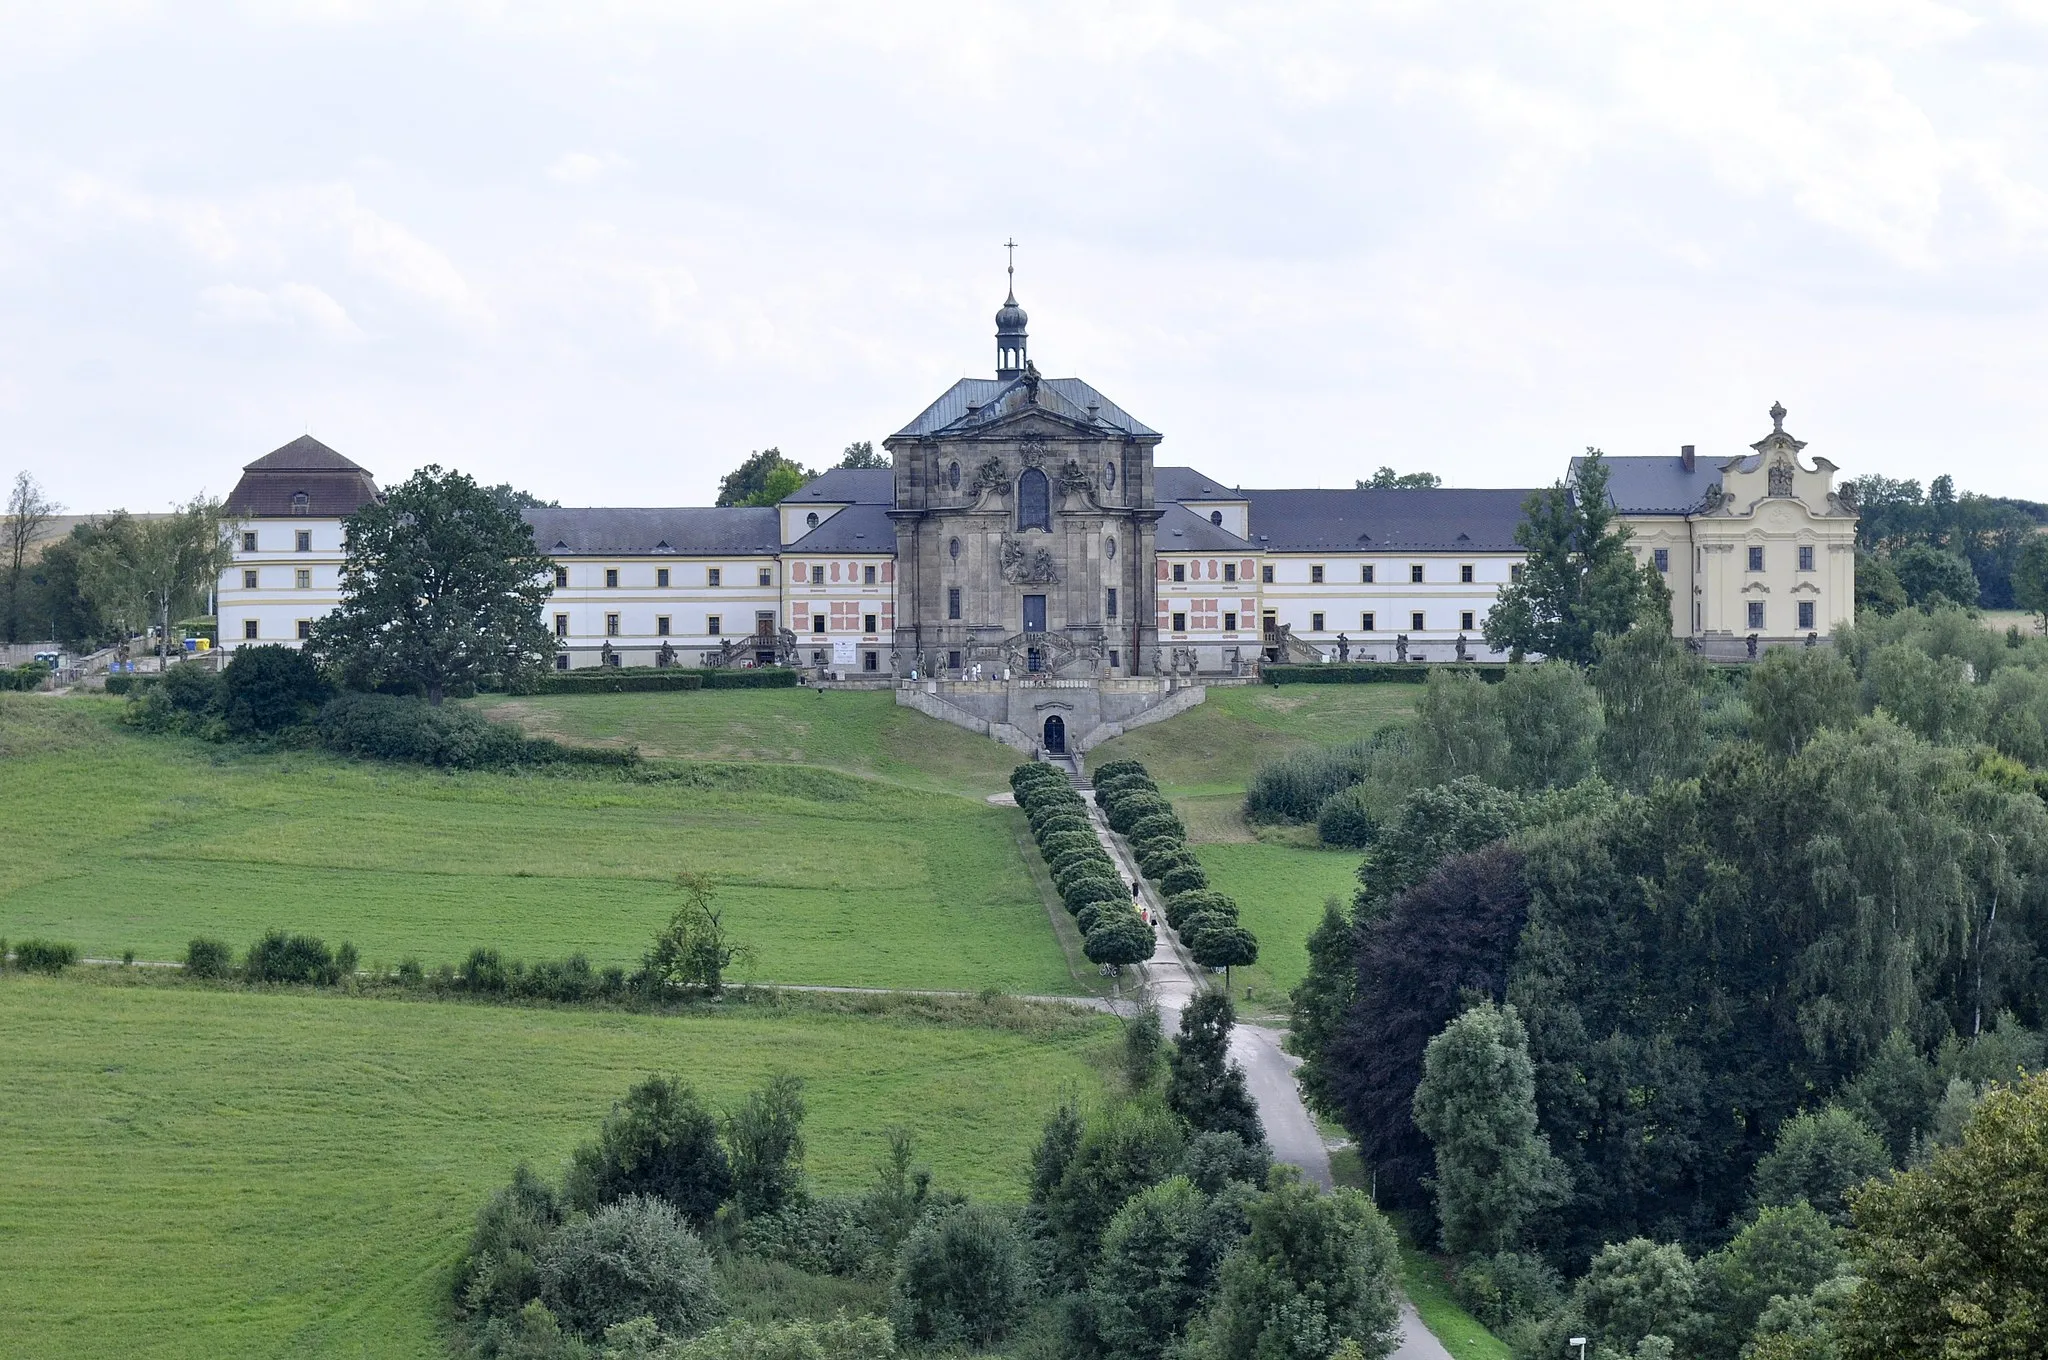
(391,727)
(1206,920)
(1087,879)
(42,956)
(761,677)
(27,677)
(615,680)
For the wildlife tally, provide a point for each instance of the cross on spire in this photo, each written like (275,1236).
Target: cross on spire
(1011,247)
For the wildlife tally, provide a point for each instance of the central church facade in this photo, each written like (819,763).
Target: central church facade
(1025,531)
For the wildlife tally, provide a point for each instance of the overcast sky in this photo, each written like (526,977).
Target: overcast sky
(604,249)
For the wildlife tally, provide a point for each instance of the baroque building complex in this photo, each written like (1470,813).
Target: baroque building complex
(1026,535)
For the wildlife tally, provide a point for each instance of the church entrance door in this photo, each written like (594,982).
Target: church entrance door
(1056,735)
(1034,613)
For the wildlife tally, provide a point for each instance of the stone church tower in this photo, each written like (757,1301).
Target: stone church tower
(1025,526)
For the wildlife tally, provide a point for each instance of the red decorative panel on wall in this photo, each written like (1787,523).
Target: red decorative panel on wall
(1165,573)
(1245,570)
(888,572)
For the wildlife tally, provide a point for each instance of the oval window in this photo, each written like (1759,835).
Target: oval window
(1109,474)
(953,547)
(1109,548)
(1216,517)
(811,520)
(953,476)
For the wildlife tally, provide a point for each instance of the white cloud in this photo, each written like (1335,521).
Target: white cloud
(583,167)
(298,305)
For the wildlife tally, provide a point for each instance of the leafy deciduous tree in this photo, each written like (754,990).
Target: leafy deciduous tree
(1203,1085)
(28,510)
(658,1141)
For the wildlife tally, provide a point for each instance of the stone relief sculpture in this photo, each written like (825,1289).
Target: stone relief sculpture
(1027,564)
(1034,450)
(1781,480)
(989,476)
(1075,479)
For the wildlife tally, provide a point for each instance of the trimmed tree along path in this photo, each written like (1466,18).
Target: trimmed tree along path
(1174,979)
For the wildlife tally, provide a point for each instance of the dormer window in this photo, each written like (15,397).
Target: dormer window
(301,503)
(1216,518)
(811,520)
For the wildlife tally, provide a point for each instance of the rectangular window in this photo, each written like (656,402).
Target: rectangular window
(1180,623)
(1515,573)
(1266,573)
(1315,574)
(1756,559)
(661,625)
(1230,623)
(1109,604)
(952,661)
(817,623)
(817,576)
(611,578)
(1180,571)
(248,580)
(1034,613)
(249,540)
(1116,659)
(1365,575)
(1756,613)
(302,579)
(1806,616)
(711,624)
(1415,622)
(1230,571)
(1415,574)
(561,625)
(615,660)
(767,576)
(249,629)
(561,661)
(1315,623)
(714,577)
(1662,558)
(871,661)
(305,629)
(611,625)
(867,578)
(561,578)
(867,623)
(661,577)
(1806,557)
(304,540)
(952,602)
(1465,573)
(1465,620)
(1365,623)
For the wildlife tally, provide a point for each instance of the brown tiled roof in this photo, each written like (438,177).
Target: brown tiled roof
(332,485)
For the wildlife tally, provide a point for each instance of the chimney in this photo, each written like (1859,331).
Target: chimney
(1685,459)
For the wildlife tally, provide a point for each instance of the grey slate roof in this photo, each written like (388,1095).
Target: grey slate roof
(725,531)
(1183,530)
(996,398)
(1659,484)
(1443,520)
(848,486)
(856,529)
(333,486)
(1186,484)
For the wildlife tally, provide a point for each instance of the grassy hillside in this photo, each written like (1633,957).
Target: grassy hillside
(196,1173)
(1214,747)
(117,841)
(861,732)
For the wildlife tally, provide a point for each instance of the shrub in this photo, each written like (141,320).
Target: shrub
(267,689)
(1075,859)
(828,1235)
(116,684)
(31,677)
(389,727)
(1113,769)
(841,1338)
(1183,878)
(186,698)
(206,958)
(279,957)
(766,1142)
(761,677)
(1127,812)
(1157,864)
(1065,822)
(44,956)
(1508,1287)
(961,1278)
(501,1272)
(1154,825)
(485,971)
(616,680)
(1056,845)
(1088,890)
(658,1141)
(633,1258)
(1295,787)
(1347,819)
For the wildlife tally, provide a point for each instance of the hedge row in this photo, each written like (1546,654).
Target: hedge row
(1205,919)
(617,680)
(761,677)
(1082,870)
(1375,673)
(25,677)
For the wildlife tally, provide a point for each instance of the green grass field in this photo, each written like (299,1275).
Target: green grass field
(1214,747)
(1280,891)
(860,732)
(186,1172)
(117,841)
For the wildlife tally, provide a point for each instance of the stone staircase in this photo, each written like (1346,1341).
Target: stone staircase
(1071,765)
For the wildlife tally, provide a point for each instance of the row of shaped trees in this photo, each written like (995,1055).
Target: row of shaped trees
(1087,879)
(1206,920)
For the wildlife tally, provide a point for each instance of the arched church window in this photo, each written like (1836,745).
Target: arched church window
(1109,473)
(1216,517)
(1034,501)
(953,476)
(953,547)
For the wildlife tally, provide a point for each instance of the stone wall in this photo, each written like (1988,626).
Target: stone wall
(1016,712)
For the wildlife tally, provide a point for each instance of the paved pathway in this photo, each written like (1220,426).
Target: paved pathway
(1172,979)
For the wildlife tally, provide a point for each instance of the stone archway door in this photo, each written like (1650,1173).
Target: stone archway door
(1056,735)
